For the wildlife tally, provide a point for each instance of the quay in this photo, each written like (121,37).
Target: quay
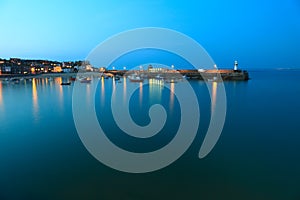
(225,74)
(234,74)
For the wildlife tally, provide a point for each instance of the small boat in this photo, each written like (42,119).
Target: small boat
(15,80)
(65,83)
(28,79)
(6,80)
(72,79)
(135,78)
(85,80)
(214,79)
(159,77)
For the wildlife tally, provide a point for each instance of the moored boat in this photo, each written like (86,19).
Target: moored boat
(117,78)
(65,83)
(15,80)
(135,78)
(85,80)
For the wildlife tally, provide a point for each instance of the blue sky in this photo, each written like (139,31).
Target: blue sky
(260,34)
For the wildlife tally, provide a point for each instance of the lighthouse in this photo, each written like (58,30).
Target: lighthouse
(235,65)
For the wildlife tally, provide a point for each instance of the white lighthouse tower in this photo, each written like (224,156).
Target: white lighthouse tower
(235,65)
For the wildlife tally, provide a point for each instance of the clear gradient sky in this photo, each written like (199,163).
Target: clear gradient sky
(259,33)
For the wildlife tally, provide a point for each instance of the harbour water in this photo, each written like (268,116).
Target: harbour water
(256,157)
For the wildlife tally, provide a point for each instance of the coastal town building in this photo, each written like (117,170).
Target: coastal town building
(17,66)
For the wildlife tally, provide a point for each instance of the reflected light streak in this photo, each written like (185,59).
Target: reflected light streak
(35,99)
(213,97)
(60,90)
(43,83)
(51,84)
(172,91)
(88,93)
(141,94)
(102,91)
(58,80)
(155,88)
(114,83)
(1,97)
(124,90)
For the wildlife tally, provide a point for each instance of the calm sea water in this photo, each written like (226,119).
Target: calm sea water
(256,157)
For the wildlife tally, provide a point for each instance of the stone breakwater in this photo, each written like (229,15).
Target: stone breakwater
(212,74)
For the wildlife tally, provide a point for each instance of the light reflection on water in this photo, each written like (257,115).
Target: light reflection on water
(141,94)
(214,96)
(172,92)
(60,89)
(89,95)
(47,92)
(1,97)
(124,89)
(35,105)
(155,89)
(102,91)
(246,160)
